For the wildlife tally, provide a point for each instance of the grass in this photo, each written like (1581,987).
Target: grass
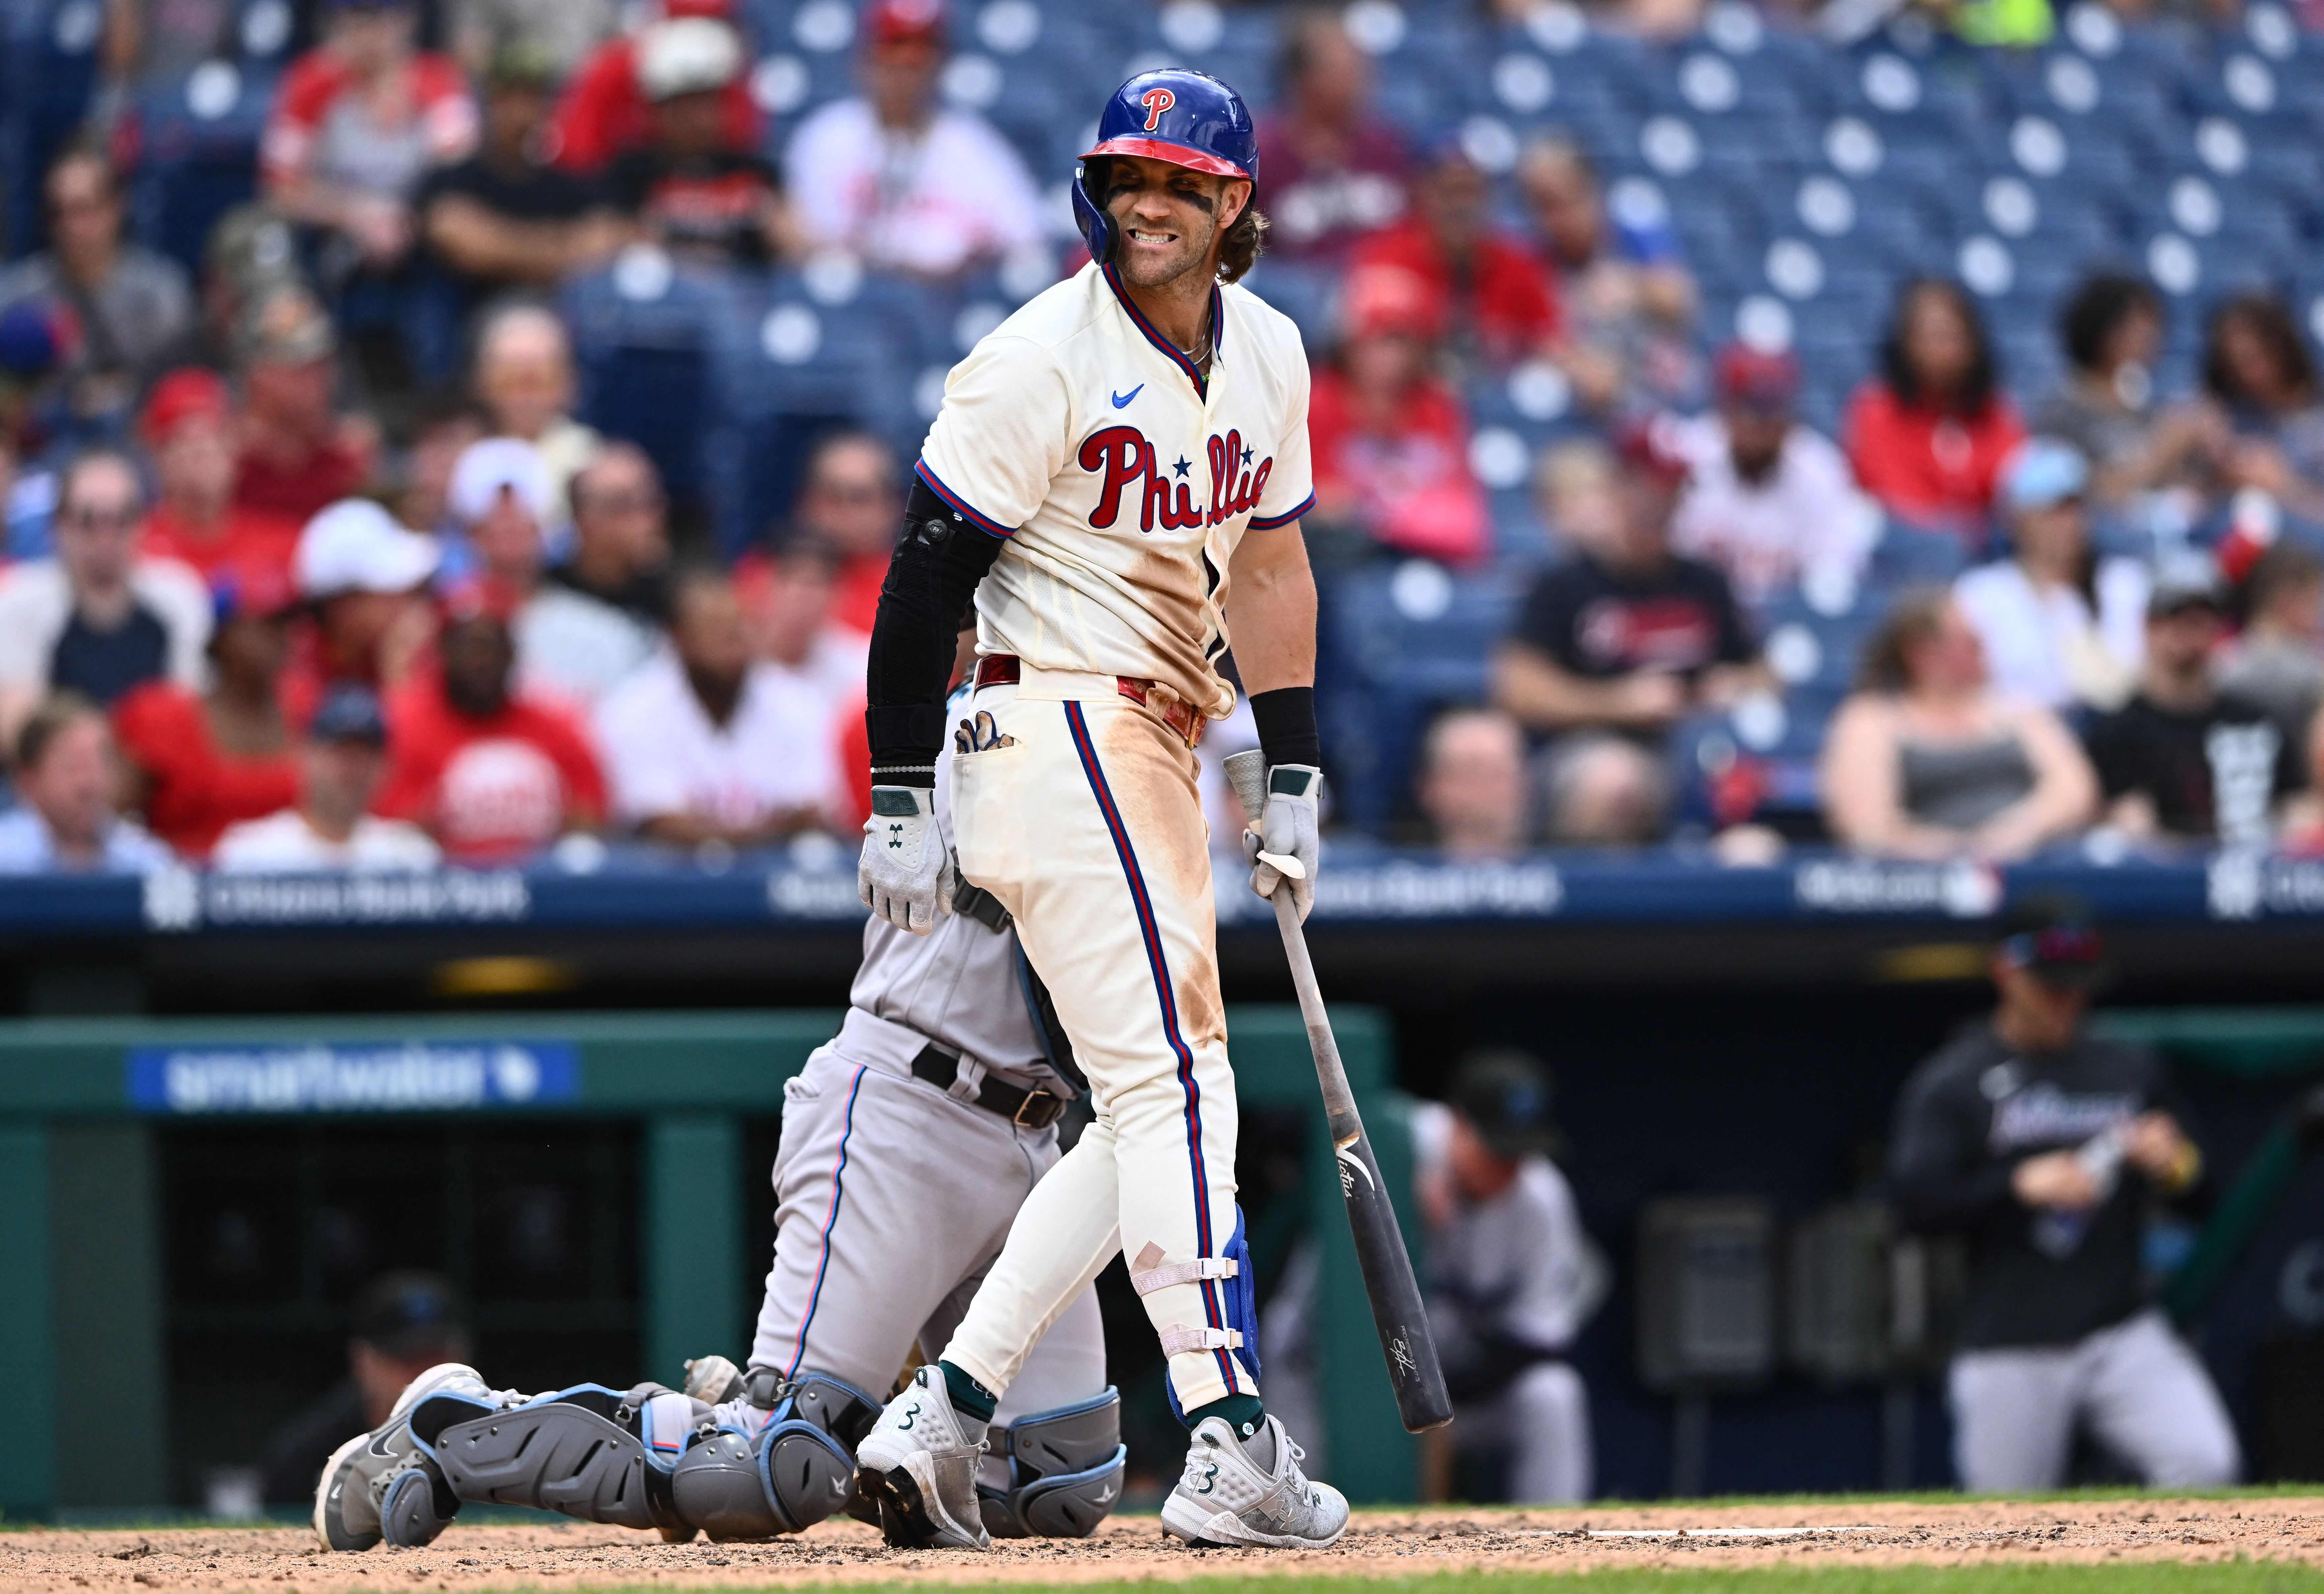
(2160,1577)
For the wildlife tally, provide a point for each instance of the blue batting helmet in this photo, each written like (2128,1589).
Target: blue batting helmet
(1188,118)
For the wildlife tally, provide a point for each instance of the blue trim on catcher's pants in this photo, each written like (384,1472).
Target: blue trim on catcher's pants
(838,1193)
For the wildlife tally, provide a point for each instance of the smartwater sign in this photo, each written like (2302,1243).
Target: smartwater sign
(401,1076)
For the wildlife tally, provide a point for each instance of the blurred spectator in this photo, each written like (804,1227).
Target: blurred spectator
(356,124)
(688,186)
(365,577)
(621,537)
(2060,627)
(252,253)
(443,426)
(492,772)
(2258,370)
(1626,296)
(37,337)
(340,763)
(96,618)
(2182,758)
(1929,434)
(1472,784)
(1614,645)
(2112,329)
(791,628)
(524,375)
(605,111)
(196,763)
(188,430)
(568,645)
(506,219)
(1925,760)
(561,33)
(1512,1277)
(852,506)
(133,307)
(1488,297)
(1767,499)
(1391,438)
(908,185)
(296,455)
(1336,170)
(404,1325)
(65,818)
(2047,1150)
(2278,661)
(708,744)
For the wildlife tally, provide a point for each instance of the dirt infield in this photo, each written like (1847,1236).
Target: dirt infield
(1389,1542)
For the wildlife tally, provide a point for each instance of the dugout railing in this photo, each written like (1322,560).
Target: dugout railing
(86,1106)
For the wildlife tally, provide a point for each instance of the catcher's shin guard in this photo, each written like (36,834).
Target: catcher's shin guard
(1064,1470)
(587,1451)
(798,1469)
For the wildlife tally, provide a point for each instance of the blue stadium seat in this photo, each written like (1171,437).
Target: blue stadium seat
(199,159)
(1400,641)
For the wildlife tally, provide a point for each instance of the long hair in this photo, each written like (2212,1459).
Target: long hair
(2271,320)
(1912,620)
(1978,386)
(1245,241)
(2100,305)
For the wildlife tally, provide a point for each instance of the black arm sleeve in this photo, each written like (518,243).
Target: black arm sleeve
(938,561)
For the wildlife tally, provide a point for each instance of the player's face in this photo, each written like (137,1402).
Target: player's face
(1170,217)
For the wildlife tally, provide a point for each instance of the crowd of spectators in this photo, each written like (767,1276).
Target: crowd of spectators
(318,557)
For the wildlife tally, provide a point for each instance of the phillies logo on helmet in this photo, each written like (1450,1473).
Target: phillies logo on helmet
(1156,101)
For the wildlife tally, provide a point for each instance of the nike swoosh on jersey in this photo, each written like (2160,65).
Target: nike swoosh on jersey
(1120,400)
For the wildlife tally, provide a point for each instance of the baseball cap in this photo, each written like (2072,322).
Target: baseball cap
(284,326)
(2054,939)
(409,1314)
(1506,1096)
(521,63)
(355,546)
(494,465)
(35,336)
(349,713)
(903,21)
(182,395)
(1650,451)
(1384,300)
(687,55)
(2041,474)
(2186,580)
(1765,379)
(252,247)
(250,594)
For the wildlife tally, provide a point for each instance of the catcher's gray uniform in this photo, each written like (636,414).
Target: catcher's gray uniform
(877,1242)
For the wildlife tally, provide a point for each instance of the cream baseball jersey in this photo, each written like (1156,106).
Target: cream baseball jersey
(1122,477)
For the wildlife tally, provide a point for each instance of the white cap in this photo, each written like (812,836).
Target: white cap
(687,55)
(355,546)
(495,465)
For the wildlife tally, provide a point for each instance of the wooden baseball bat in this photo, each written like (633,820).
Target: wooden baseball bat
(1394,1294)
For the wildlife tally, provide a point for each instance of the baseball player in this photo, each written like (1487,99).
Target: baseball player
(908,1142)
(1116,477)
(2045,1148)
(1512,1276)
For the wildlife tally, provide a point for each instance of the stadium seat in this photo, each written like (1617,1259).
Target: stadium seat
(199,154)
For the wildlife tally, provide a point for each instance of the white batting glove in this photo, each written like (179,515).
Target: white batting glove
(905,875)
(1288,828)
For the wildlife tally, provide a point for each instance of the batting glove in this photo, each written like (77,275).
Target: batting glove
(905,875)
(1287,828)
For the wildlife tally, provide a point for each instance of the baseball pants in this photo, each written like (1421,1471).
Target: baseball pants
(892,1199)
(1540,1424)
(2144,1393)
(1087,827)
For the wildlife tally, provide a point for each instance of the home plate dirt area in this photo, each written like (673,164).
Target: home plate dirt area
(1396,1544)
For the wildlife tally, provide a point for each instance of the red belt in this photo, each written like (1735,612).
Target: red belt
(1005,669)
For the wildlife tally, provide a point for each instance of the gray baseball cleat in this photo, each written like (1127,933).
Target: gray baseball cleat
(1227,1496)
(920,1469)
(382,1484)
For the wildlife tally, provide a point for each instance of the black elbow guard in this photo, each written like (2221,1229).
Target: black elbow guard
(931,578)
